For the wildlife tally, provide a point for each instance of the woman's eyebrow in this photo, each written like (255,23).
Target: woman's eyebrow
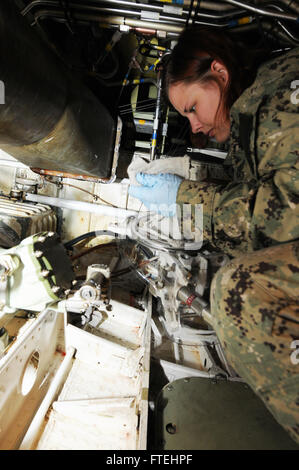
(188,109)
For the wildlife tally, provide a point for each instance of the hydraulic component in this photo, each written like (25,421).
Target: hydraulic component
(34,273)
(96,274)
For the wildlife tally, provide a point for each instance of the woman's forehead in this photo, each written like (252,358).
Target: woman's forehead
(181,93)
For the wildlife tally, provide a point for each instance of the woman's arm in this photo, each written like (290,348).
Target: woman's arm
(241,217)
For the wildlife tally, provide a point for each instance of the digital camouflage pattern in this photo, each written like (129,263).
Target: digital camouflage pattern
(260,206)
(255,300)
(254,218)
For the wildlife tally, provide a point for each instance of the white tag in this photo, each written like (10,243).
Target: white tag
(172,10)
(165,128)
(150,15)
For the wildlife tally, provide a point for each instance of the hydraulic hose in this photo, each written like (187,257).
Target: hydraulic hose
(96,233)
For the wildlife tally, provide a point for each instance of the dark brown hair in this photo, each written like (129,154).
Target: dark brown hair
(191,59)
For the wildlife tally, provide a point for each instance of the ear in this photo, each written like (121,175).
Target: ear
(220,70)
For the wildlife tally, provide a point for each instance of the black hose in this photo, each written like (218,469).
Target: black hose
(95,233)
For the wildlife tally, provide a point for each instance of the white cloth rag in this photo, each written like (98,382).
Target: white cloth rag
(176,165)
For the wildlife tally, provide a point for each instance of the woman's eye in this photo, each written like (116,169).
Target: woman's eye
(192,110)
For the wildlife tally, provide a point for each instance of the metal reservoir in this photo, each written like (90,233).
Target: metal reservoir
(49,119)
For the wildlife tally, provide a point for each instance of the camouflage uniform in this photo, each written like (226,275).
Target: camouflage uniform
(254,218)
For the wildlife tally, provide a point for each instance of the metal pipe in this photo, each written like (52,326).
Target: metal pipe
(63,174)
(272,31)
(140,6)
(112,10)
(98,209)
(294,38)
(50,3)
(291,5)
(115,20)
(122,21)
(198,305)
(156,119)
(263,12)
(217,6)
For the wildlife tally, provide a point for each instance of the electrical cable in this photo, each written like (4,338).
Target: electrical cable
(129,108)
(96,233)
(95,196)
(92,249)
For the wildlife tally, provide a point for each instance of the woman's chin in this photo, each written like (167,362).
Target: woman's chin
(221,135)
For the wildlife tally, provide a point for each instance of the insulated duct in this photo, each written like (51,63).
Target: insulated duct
(48,119)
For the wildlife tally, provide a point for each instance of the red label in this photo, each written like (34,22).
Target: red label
(190,299)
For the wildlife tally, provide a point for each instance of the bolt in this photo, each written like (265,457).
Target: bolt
(171,428)
(88,293)
(55,289)
(31,315)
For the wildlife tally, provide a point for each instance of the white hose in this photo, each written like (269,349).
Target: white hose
(99,209)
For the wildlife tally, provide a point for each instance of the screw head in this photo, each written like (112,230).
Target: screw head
(55,289)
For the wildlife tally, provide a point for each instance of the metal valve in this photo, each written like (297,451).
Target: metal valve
(96,274)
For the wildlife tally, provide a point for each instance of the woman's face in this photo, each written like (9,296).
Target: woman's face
(199,103)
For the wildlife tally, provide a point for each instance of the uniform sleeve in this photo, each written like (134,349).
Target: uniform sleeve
(227,213)
(241,217)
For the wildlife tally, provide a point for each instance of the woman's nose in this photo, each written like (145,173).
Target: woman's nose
(195,124)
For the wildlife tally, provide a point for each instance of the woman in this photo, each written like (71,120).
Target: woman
(254,217)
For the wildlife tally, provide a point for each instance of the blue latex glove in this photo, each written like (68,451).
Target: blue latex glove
(157,192)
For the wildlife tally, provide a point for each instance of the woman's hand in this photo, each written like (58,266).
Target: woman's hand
(157,192)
